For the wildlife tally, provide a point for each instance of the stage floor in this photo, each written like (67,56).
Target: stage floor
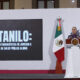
(31,76)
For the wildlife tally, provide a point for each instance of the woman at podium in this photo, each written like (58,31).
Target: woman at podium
(75,34)
(73,54)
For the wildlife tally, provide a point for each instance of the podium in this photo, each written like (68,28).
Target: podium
(69,44)
(73,58)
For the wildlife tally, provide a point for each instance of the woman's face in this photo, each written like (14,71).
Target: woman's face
(74,30)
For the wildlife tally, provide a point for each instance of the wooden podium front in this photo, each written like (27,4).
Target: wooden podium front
(69,41)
